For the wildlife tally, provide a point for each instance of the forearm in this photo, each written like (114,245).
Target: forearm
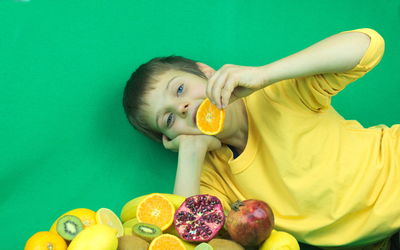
(190,161)
(337,53)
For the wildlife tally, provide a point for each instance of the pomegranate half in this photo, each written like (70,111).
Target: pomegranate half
(199,218)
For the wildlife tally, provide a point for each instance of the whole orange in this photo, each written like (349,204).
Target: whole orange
(45,241)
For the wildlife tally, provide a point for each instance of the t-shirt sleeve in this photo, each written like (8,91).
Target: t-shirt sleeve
(316,91)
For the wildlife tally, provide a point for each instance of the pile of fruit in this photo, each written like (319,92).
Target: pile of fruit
(166,221)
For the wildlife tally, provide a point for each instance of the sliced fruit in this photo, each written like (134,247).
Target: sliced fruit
(209,118)
(169,242)
(99,237)
(87,217)
(107,217)
(69,226)
(129,209)
(45,241)
(146,231)
(199,218)
(157,210)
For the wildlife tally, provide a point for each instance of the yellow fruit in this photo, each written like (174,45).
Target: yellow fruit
(279,240)
(128,226)
(107,217)
(127,231)
(130,223)
(170,242)
(45,241)
(99,237)
(129,209)
(156,209)
(87,216)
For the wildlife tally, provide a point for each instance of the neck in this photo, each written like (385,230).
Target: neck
(235,133)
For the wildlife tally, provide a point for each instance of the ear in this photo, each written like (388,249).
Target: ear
(207,70)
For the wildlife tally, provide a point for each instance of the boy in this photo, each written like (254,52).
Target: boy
(329,181)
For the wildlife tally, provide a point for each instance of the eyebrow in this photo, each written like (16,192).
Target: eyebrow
(159,112)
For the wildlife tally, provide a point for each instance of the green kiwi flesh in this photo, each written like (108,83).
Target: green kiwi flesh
(146,231)
(69,226)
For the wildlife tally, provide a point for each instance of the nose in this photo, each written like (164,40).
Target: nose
(183,108)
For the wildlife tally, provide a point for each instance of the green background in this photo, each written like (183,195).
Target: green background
(65,142)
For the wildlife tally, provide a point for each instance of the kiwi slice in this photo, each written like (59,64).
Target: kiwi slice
(69,226)
(146,231)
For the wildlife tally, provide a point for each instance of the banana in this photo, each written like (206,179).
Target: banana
(129,209)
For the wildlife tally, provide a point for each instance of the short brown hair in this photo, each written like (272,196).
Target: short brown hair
(142,81)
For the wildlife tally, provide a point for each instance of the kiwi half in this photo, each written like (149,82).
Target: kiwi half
(69,226)
(146,231)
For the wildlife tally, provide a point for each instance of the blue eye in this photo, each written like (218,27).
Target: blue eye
(180,90)
(169,120)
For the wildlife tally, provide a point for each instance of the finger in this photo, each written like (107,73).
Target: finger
(209,73)
(210,84)
(166,142)
(240,92)
(226,92)
(216,89)
(172,145)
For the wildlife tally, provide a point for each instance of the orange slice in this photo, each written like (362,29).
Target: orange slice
(167,242)
(209,118)
(107,217)
(157,210)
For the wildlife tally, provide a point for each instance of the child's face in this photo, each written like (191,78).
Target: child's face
(174,103)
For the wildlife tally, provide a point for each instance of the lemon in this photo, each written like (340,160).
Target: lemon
(107,217)
(279,240)
(99,237)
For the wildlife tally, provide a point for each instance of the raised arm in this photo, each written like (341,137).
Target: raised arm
(337,53)
(359,49)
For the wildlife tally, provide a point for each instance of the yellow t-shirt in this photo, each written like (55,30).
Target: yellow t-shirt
(329,181)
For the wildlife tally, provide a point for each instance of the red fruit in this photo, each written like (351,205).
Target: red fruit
(250,222)
(199,218)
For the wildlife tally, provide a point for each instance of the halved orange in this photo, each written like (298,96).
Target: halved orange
(169,242)
(209,118)
(157,210)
